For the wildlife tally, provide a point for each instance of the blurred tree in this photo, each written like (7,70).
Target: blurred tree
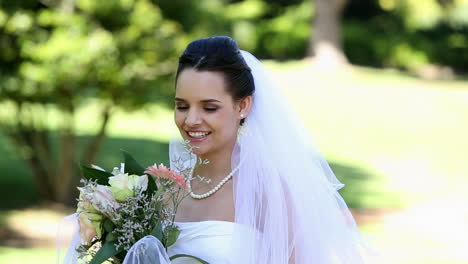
(402,33)
(395,33)
(284,35)
(276,29)
(57,55)
(326,43)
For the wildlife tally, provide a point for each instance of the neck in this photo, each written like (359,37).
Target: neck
(219,165)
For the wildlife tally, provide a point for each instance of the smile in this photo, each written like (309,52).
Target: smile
(197,136)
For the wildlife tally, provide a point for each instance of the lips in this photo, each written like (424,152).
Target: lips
(197,136)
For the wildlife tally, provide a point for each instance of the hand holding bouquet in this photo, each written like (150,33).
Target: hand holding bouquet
(118,209)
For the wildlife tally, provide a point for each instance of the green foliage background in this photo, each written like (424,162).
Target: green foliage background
(58,57)
(407,33)
(387,33)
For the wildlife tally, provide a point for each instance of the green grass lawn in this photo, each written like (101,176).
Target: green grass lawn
(27,255)
(408,135)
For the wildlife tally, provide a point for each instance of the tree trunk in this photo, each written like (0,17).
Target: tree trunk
(66,170)
(23,139)
(64,176)
(326,43)
(55,176)
(39,173)
(93,147)
(34,147)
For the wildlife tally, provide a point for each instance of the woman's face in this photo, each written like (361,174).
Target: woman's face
(205,113)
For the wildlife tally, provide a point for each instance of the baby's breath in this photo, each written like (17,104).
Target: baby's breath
(137,217)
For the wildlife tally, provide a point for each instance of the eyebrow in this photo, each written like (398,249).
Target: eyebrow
(203,101)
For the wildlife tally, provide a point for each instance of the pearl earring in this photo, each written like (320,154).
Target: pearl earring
(241,130)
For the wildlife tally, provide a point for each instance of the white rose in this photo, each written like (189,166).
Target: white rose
(139,183)
(121,186)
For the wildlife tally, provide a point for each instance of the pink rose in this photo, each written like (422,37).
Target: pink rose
(85,206)
(103,201)
(87,229)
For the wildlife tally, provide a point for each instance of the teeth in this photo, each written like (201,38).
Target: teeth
(198,134)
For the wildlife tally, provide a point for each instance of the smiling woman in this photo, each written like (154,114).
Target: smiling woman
(274,198)
(206,112)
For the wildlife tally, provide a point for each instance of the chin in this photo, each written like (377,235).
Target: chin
(198,148)
(198,151)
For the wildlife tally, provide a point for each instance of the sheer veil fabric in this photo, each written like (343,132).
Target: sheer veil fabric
(285,189)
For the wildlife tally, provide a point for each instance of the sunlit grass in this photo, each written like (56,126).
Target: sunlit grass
(407,132)
(10,255)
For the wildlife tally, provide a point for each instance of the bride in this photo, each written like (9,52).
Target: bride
(273,197)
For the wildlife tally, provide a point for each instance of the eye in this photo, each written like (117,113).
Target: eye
(211,109)
(181,107)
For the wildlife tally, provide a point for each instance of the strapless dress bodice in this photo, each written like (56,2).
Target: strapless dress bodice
(208,240)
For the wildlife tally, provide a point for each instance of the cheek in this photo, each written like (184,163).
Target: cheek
(178,119)
(227,124)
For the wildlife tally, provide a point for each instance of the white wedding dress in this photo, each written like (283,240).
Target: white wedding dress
(210,241)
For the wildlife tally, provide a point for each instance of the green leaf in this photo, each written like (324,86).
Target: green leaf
(105,252)
(157,231)
(101,177)
(110,237)
(151,186)
(188,256)
(108,225)
(131,165)
(172,233)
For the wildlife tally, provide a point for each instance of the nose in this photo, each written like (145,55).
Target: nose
(193,118)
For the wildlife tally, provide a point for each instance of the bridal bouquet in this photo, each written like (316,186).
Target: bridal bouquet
(116,209)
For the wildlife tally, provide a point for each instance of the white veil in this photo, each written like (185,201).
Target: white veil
(286,190)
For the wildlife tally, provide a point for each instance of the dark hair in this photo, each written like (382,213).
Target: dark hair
(220,54)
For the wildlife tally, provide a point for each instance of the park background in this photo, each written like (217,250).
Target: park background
(381,85)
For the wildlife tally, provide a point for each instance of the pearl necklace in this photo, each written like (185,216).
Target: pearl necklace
(215,189)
